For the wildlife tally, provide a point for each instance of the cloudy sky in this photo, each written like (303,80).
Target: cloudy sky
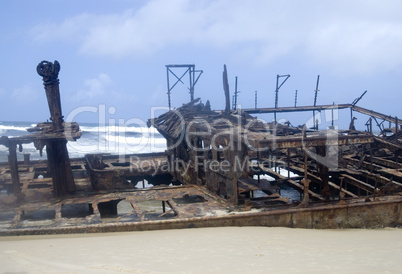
(113,53)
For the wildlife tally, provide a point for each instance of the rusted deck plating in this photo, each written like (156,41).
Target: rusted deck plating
(345,178)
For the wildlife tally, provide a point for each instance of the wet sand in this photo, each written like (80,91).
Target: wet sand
(207,250)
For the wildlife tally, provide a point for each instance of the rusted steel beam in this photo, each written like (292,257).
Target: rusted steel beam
(386,163)
(324,107)
(377,114)
(384,143)
(372,176)
(358,183)
(391,173)
(362,163)
(313,141)
(317,179)
(295,109)
(377,168)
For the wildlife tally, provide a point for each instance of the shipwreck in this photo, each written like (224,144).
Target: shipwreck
(213,173)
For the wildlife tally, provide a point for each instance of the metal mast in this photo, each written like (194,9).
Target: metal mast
(194,75)
(277,89)
(315,101)
(235,95)
(255,99)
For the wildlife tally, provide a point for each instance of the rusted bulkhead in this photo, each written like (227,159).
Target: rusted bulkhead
(107,172)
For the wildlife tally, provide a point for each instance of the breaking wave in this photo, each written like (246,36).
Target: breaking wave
(94,139)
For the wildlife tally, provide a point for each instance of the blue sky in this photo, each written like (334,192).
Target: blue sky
(113,54)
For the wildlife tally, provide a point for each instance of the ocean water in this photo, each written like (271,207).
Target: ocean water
(96,138)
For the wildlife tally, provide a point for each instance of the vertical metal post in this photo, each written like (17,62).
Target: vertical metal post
(340,188)
(288,162)
(276,96)
(12,161)
(296,98)
(57,153)
(396,125)
(313,119)
(377,178)
(277,90)
(351,114)
(190,69)
(255,99)
(315,101)
(191,75)
(235,95)
(233,102)
(27,158)
(322,171)
(168,86)
(371,125)
(258,164)
(371,158)
(316,90)
(306,184)
(226,89)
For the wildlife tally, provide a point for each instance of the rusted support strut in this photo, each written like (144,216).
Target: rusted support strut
(57,154)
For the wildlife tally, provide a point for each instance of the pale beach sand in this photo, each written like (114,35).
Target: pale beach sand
(207,250)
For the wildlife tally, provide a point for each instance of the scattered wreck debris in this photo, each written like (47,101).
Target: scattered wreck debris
(220,168)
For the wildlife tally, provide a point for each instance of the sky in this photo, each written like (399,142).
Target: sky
(113,54)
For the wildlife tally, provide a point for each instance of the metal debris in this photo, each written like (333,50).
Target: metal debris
(210,175)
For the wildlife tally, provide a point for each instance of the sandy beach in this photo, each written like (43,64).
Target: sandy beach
(207,250)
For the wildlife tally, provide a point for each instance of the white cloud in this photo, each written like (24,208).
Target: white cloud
(358,47)
(94,88)
(349,36)
(73,29)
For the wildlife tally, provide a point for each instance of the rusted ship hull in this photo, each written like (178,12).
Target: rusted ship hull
(384,212)
(172,206)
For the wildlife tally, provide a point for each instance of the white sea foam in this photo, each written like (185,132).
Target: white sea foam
(8,130)
(114,128)
(113,139)
(10,127)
